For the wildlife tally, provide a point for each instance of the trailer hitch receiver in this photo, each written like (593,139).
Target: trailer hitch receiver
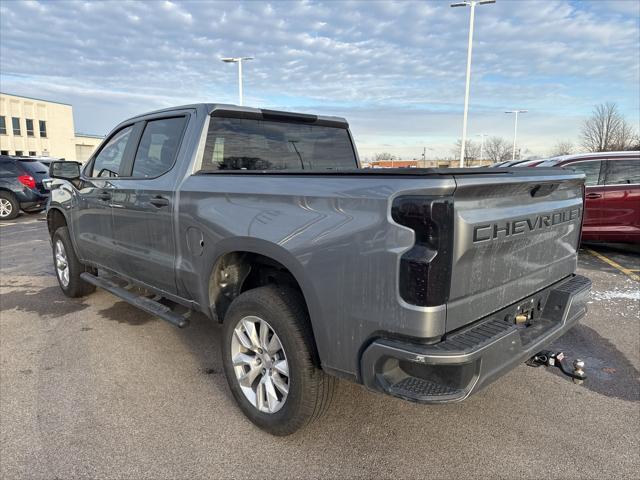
(547,358)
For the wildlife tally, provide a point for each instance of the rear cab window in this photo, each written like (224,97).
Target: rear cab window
(251,144)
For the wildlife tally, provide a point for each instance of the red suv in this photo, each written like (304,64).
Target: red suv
(612,196)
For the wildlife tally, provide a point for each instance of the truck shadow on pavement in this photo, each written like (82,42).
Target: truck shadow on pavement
(609,371)
(122,312)
(30,299)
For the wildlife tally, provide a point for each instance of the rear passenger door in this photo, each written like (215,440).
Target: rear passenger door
(621,213)
(143,203)
(594,196)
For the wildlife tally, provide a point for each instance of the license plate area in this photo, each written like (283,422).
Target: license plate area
(528,316)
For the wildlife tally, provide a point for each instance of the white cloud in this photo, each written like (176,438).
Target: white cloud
(390,59)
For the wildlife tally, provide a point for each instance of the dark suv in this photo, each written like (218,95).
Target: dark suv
(21,186)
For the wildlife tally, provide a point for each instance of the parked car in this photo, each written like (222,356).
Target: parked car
(21,186)
(424,284)
(612,198)
(529,163)
(508,163)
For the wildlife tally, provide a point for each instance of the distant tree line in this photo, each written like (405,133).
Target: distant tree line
(606,130)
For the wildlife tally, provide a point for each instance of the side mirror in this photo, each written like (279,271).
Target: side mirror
(64,170)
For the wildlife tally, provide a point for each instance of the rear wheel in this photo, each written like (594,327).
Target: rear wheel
(9,206)
(68,267)
(268,357)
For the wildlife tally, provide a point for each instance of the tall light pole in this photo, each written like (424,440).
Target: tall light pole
(515,131)
(239,61)
(482,135)
(472,4)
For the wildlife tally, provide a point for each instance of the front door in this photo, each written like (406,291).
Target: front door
(143,203)
(94,237)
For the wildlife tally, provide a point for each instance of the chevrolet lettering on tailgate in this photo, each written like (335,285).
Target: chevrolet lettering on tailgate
(491,231)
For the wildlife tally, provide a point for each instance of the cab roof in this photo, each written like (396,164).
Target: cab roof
(237,111)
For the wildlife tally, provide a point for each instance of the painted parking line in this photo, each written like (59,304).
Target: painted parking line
(616,265)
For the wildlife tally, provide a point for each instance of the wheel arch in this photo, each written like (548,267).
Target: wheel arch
(250,263)
(56,219)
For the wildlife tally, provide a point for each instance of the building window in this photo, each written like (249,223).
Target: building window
(19,153)
(29,127)
(32,153)
(43,129)
(3,126)
(15,121)
(4,152)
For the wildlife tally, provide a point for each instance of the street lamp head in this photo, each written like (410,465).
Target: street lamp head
(235,59)
(472,3)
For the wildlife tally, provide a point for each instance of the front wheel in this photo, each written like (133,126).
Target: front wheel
(268,356)
(68,267)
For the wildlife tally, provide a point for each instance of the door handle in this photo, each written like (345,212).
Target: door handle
(159,201)
(593,195)
(104,196)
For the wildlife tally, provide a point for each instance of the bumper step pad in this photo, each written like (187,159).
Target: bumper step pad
(413,387)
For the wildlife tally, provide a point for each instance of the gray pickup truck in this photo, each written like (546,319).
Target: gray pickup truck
(424,284)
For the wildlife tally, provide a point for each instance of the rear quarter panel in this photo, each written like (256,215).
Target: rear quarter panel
(333,233)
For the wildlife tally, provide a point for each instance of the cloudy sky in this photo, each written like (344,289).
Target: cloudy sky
(395,70)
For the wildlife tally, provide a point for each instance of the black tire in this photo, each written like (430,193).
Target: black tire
(75,287)
(9,202)
(310,389)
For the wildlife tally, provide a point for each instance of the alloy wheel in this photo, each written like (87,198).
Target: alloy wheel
(260,364)
(5,208)
(62,264)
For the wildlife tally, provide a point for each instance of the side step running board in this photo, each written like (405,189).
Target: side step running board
(143,303)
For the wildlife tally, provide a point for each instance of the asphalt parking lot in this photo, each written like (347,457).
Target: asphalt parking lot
(93,388)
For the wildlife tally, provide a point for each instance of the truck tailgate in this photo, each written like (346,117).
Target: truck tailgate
(514,234)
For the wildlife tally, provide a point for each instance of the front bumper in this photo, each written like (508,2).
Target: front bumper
(474,356)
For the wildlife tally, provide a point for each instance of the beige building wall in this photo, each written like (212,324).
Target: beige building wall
(58,117)
(86,145)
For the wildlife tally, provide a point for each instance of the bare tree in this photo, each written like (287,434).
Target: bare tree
(497,149)
(471,151)
(607,130)
(625,138)
(384,156)
(563,147)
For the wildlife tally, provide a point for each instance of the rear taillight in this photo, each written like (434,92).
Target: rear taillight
(425,270)
(27,181)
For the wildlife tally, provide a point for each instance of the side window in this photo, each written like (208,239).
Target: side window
(623,172)
(158,147)
(591,169)
(8,169)
(107,163)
